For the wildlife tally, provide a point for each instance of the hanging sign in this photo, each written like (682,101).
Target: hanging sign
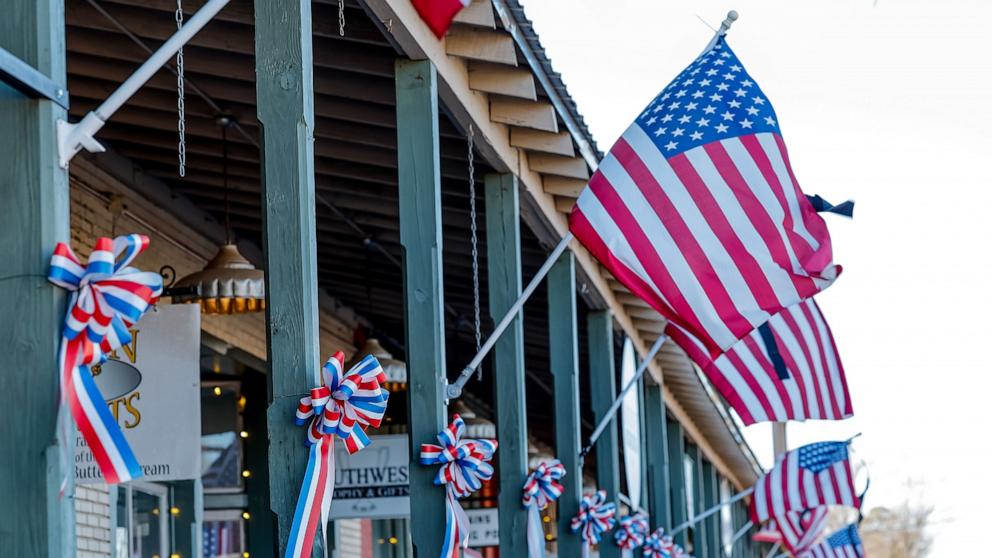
(152,386)
(373,483)
(630,415)
(483,527)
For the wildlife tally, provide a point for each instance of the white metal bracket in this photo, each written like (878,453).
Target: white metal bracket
(73,138)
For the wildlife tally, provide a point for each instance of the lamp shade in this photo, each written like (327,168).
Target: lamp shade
(229,284)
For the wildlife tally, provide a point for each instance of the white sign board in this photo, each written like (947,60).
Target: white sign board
(483,527)
(373,483)
(152,387)
(630,416)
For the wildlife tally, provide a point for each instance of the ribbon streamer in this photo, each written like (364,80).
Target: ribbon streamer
(596,516)
(343,406)
(631,532)
(464,467)
(540,490)
(107,298)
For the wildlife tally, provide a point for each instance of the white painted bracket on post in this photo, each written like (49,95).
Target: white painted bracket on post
(73,138)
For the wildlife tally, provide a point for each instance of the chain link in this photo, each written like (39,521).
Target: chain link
(181,94)
(341,17)
(475,243)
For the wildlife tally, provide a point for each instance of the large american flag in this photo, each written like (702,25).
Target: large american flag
(787,369)
(696,209)
(808,477)
(845,543)
(796,531)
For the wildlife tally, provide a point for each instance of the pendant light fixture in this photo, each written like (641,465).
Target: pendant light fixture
(229,284)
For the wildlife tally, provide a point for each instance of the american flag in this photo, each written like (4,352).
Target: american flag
(808,477)
(796,374)
(796,531)
(845,543)
(438,14)
(222,539)
(696,209)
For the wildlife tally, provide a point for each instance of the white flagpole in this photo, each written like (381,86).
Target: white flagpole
(741,532)
(772,551)
(455,389)
(694,520)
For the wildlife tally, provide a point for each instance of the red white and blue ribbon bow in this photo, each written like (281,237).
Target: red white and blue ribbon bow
(464,467)
(659,545)
(540,490)
(631,532)
(108,297)
(596,516)
(343,406)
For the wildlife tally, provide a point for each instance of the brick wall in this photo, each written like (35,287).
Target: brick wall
(93,533)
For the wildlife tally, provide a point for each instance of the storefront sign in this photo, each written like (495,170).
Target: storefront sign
(483,527)
(373,483)
(152,386)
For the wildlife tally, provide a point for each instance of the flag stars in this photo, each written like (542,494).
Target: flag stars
(723,87)
(703,122)
(652,120)
(746,124)
(740,92)
(752,111)
(691,106)
(716,97)
(709,109)
(722,128)
(727,115)
(658,109)
(698,94)
(728,76)
(678,132)
(770,121)
(719,62)
(735,104)
(660,132)
(666,96)
(674,105)
(758,100)
(670,146)
(747,83)
(681,93)
(696,136)
(712,72)
(684,119)
(736,68)
(667,118)
(705,83)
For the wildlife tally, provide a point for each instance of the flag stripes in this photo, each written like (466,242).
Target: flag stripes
(815,387)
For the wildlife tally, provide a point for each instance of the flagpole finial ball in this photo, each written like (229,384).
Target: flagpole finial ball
(732,15)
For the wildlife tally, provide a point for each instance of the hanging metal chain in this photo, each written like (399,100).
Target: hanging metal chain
(475,243)
(181,93)
(341,17)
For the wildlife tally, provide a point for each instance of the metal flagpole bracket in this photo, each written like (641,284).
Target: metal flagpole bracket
(73,138)
(29,81)
(732,16)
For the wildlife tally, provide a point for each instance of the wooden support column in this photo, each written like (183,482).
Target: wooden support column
(676,476)
(505,283)
(284,89)
(564,354)
(187,497)
(35,521)
(423,289)
(261,537)
(656,450)
(700,546)
(711,497)
(602,392)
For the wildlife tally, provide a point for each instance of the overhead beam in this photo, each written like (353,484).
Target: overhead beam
(519,112)
(545,142)
(479,44)
(505,283)
(563,349)
(37,521)
(423,288)
(502,80)
(284,88)
(568,167)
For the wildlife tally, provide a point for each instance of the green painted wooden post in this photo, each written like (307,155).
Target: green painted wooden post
(564,354)
(423,289)
(656,450)
(261,538)
(284,89)
(710,499)
(602,392)
(34,216)
(505,283)
(676,471)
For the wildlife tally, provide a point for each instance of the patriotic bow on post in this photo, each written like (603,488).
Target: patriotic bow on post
(596,516)
(464,467)
(542,488)
(108,297)
(631,532)
(659,545)
(343,406)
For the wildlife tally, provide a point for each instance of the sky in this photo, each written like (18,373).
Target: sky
(885,102)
